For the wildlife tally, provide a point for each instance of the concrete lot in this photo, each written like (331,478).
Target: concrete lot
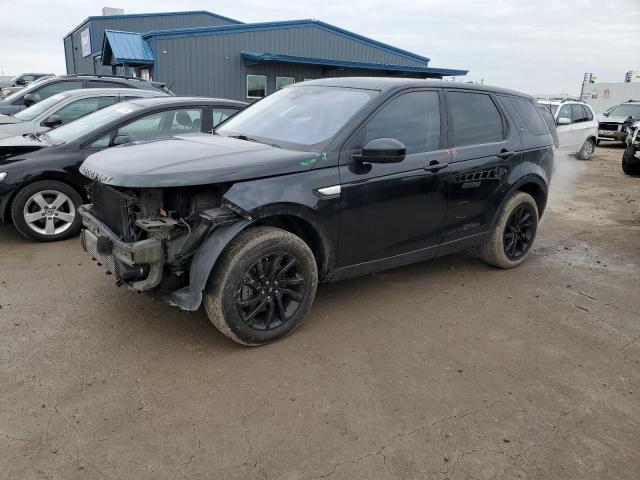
(446,369)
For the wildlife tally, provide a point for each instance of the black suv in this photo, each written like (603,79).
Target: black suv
(320,181)
(50,86)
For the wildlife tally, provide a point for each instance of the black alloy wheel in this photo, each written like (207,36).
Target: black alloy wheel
(519,232)
(272,291)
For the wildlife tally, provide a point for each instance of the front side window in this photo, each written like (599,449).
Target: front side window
(82,107)
(163,124)
(475,118)
(300,116)
(221,114)
(565,112)
(256,86)
(284,81)
(412,118)
(48,90)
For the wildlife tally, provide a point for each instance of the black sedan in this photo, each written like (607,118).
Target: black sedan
(40,186)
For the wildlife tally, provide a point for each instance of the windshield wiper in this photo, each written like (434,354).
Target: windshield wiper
(242,136)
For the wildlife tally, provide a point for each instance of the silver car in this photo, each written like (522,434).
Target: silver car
(66,107)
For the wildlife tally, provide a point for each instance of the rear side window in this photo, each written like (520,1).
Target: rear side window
(475,119)
(529,114)
(578,113)
(412,118)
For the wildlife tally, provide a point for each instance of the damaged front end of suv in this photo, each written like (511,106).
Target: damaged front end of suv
(148,237)
(160,225)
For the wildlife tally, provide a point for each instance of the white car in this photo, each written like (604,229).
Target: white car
(576,125)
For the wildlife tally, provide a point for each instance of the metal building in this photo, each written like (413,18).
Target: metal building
(201,53)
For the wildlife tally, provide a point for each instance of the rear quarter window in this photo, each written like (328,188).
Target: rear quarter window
(529,114)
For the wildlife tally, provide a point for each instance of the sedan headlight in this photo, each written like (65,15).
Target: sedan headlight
(3,175)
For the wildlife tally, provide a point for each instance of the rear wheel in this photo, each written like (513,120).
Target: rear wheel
(263,286)
(587,149)
(508,244)
(46,211)
(630,164)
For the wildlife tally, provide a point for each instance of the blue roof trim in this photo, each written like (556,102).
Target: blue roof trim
(252,58)
(161,14)
(223,29)
(125,47)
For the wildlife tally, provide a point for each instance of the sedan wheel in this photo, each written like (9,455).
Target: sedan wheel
(49,212)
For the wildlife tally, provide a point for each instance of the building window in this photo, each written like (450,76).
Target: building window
(284,81)
(256,86)
(85,42)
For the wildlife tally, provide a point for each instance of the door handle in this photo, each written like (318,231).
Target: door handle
(435,167)
(504,153)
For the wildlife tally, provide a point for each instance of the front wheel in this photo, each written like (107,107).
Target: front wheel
(508,244)
(630,164)
(263,286)
(46,211)
(587,149)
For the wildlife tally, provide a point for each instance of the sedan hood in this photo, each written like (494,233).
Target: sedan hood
(8,119)
(15,130)
(20,144)
(197,159)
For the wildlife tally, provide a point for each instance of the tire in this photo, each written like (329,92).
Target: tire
(496,249)
(630,164)
(587,149)
(47,211)
(235,289)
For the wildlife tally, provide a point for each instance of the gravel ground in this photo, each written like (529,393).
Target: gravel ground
(447,369)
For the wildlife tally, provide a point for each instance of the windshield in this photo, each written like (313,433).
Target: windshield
(80,127)
(553,108)
(34,110)
(301,115)
(625,110)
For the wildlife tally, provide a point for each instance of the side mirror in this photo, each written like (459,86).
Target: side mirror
(52,121)
(564,121)
(21,81)
(606,114)
(382,150)
(121,140)
(28,100)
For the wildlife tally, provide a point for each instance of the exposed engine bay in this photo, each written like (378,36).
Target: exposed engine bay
(147,237)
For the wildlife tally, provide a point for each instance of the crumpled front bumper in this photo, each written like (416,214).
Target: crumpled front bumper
(137,264)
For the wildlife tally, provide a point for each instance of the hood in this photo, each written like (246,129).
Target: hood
(197,159)
(611,119)
(15,129)
(5,84)
(8,120)
(20,144)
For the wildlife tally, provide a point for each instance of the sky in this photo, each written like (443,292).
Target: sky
(535,46)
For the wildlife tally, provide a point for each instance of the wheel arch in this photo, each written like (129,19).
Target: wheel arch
(532,184)
(52,175)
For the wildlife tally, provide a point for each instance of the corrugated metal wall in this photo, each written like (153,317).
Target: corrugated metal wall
(604,95)
(212,65)
(129,24)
